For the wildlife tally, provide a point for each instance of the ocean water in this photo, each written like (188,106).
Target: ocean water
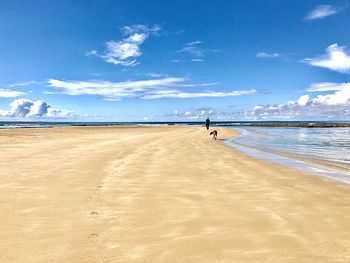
(49,124)
(329,144)
(321,151)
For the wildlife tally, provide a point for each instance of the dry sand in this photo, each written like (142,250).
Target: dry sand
(160,194)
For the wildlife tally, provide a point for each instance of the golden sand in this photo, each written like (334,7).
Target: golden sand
(160,194)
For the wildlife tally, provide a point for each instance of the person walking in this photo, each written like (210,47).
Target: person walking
(207,123)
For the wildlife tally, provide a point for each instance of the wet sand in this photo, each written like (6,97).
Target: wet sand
(160,194)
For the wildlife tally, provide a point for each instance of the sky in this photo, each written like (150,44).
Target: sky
(181,60)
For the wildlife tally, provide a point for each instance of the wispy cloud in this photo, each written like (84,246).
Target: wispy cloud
(170,87)
(328,106)
(177,94)
(32,109)
(326,86)
(337,58)
(322,11)
(198,84)
(155,75)
(91,53)
(126,51)
(6,93)
(267,55)
(197,60)
(26,83)
(140,29)
(194,49)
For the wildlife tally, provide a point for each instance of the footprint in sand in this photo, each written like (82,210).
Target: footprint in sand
(93,237)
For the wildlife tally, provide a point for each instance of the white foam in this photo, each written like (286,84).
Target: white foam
(278,159)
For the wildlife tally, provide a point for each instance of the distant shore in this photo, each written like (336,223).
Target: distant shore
(51,124)
(302,125)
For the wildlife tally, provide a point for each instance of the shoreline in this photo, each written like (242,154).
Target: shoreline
(316,167)
(160,194)
(310,166)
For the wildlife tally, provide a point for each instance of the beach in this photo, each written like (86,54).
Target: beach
(160,194)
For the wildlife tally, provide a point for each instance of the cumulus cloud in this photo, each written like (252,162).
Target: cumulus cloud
(126,51)
(322,11)
(267,55)
(6,93)
(326,106)
(27,108)
(169,87)
(337,58)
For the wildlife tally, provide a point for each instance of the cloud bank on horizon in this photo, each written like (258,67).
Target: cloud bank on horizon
(35,109)
(334,105)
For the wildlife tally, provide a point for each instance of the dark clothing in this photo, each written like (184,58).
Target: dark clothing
(207,123)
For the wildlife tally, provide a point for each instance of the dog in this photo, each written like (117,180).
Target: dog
(214,133)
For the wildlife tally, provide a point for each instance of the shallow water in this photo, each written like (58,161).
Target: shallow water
(299,148)
(329,144)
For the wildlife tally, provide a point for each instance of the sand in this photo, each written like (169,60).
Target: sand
(160,194)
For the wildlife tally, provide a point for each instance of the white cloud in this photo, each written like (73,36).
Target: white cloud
(6,93)
(27,108)
(176,94)
(112,90)
(197,60)
(326,86)
(26,83)
(192,114)
(169,87)
(126,51)
(322,11)
(337,58)
(193,48)
(198,84)
(199,114)
(333,105)
(155,75)
(132,29)
(91,53)
(267,55)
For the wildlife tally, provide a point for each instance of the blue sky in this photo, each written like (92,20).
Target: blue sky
(174,60)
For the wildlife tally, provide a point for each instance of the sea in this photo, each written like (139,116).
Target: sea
(303,145)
